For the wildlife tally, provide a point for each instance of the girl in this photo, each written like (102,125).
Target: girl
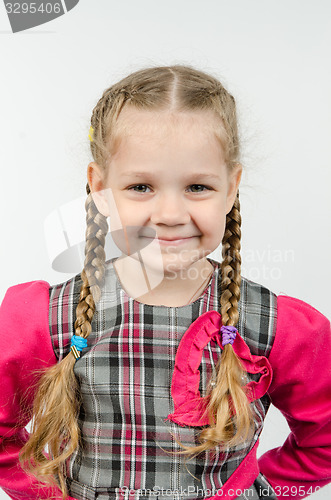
(160,365)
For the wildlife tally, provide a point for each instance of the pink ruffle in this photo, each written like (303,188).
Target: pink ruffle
(189,406)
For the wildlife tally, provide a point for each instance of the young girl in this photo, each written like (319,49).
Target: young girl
(160,365)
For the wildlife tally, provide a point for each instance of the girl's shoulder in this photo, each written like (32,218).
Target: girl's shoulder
(24,302)
(277,322)
(25,313)
(295,334)
(24,321)
(29,302)
(254,294)
(300,328)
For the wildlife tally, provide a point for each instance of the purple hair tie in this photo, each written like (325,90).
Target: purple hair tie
(228,334)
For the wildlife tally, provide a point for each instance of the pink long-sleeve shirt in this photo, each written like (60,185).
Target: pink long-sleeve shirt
(301,388)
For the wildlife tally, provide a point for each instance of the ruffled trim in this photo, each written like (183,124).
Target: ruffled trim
(189,407)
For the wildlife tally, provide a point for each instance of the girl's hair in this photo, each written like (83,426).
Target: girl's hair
(56,405)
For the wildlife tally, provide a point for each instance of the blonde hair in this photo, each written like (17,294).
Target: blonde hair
(57,403)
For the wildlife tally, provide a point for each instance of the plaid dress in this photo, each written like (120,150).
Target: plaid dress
(125,375)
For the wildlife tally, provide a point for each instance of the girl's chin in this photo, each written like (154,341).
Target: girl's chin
(171,264)
(167,258)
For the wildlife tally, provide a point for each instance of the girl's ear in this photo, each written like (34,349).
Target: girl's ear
(233,185)
(95,178)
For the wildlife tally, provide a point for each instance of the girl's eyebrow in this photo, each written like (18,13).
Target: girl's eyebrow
(189,176)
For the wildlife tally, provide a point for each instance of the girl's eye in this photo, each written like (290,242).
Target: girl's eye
(198,188)
(195,188)
(139,188)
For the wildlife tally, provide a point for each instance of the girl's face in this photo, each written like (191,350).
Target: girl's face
(168,180)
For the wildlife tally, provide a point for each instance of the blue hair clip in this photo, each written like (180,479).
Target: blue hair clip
(77,345)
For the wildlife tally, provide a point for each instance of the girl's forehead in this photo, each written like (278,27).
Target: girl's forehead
(166,142)
(136,122)
(145,132)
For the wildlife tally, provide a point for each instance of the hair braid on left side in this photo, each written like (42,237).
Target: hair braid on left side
(230,415)
(228,403)
(56,424)
(94,266)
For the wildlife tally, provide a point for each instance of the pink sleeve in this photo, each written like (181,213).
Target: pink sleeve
(301,389)
(25,346)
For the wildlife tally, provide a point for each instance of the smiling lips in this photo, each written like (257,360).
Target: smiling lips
(174,241)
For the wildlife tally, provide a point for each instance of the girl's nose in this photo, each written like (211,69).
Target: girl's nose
(170,209)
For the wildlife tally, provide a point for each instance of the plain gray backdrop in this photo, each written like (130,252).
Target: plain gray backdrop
(274,56)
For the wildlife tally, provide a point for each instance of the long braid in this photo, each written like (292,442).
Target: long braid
(228,396)
(231,266)
(94,267)
(59,385)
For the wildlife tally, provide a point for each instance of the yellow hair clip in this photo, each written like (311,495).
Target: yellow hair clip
(90,135)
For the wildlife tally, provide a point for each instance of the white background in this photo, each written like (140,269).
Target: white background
(274,56)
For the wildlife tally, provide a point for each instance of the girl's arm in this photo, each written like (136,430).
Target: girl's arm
(301,389)
(25,347)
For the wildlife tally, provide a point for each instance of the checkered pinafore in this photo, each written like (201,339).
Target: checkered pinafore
(125,378)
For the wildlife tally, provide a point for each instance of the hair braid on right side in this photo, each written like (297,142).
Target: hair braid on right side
(94,266)
(55,423)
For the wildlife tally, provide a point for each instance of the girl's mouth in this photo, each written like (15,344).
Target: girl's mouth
(176,242)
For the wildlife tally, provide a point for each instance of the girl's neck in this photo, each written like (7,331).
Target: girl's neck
(175,290)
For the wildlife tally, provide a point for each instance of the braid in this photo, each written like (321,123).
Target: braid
(231,266)
(58,386)
(94,266)
(227,398)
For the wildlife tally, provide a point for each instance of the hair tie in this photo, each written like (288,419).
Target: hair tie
(228,334)
(77,344)
(90,135)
